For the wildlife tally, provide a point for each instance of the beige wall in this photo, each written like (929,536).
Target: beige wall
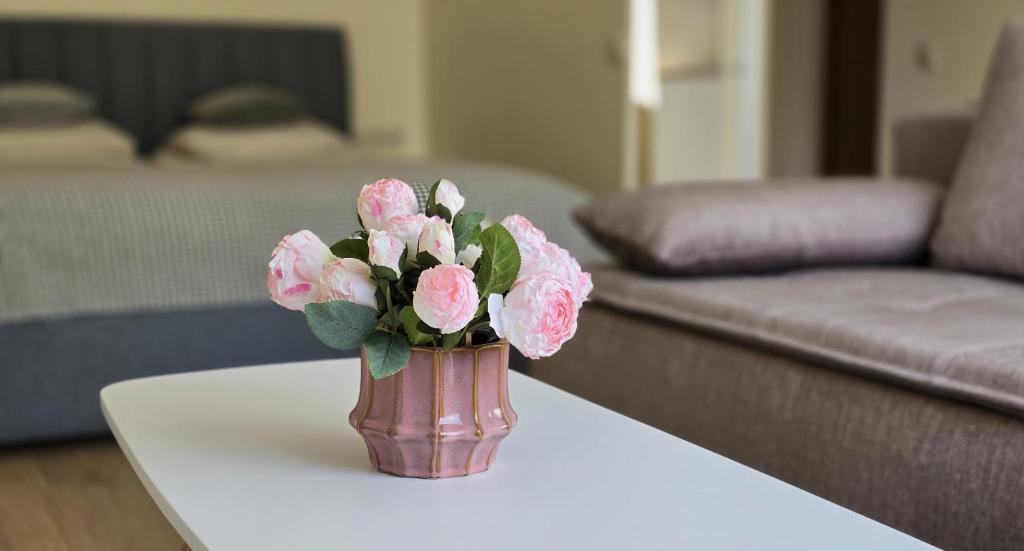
(385,39)
(935,56)
(687,130)
(797,46)
(688,36)
(533,83)
(687,138)
(714,120)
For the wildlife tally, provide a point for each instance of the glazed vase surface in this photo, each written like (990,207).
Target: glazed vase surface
(442,415)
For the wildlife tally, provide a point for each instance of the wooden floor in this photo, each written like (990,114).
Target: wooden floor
(81,496)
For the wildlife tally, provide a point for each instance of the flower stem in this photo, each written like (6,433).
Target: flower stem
(392,318)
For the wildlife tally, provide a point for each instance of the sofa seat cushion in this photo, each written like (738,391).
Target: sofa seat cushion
(950,334)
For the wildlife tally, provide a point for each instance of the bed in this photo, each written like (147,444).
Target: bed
(109,273)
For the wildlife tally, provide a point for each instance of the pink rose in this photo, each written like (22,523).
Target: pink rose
(526,236)
(448,195)
(539,255)
(408,228)
(383,200)
(295,266)
(551,258)
(438,241)
(537,316)
(446,297)
(348,279)
(385,250)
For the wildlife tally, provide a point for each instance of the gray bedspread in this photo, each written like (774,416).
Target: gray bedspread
(141,239)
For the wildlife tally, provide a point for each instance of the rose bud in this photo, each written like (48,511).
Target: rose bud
(448,195)
(385,250)
(468,256)
(437,241)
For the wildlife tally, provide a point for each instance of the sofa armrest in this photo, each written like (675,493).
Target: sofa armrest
(731,227)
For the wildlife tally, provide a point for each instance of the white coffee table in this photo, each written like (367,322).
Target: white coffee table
(263,458)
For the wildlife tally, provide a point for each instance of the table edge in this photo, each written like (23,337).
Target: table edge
(180,526)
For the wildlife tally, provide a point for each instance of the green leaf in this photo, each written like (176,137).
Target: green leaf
(443,212)
(390,316)
(424,328)
(431,209)
(451,340)
(475,238)
(426,260)
(351,248)
(403,261)
(407,284)
(385,273)
(499,263)
(411,323)
(463,227)
(341,324)
(386,354)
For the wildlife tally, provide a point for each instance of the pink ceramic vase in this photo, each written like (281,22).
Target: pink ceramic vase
(442,415)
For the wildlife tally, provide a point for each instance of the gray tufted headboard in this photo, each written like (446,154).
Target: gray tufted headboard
(144,74)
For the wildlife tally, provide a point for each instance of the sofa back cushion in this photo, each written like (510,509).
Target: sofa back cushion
(982,222)
(736,227)
(929,147)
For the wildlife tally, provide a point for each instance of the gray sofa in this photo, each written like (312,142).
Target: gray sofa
(895,391)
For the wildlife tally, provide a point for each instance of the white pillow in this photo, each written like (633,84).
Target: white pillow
(298,141)
(91,142)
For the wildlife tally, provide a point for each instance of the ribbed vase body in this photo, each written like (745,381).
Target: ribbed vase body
(443,415)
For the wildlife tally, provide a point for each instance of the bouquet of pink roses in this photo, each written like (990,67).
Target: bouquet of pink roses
(429,279)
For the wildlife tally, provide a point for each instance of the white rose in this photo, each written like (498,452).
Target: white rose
(468,256)
(348,279)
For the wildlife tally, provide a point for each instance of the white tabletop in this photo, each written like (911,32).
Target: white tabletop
(264,458)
